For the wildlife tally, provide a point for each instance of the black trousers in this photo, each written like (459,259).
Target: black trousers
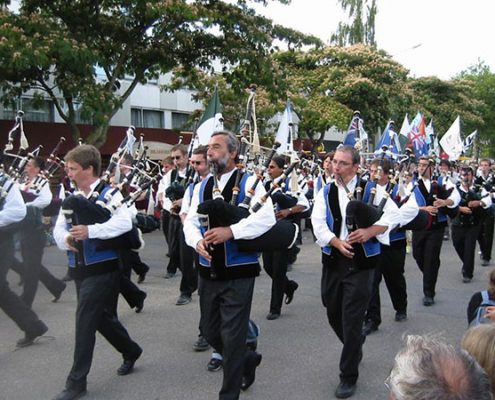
(189,280)
(225,307)
(96,296)
(485,237)
(165,218)
(345,294)
(128,289)
(10,303)
(275,265)
(464,240)
(426,251)
(138,266)
(174,232)
(390,266)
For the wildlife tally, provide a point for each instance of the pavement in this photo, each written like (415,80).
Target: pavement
(300,351)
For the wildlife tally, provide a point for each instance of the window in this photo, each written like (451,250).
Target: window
(180,121)
(147,118)
(34,110)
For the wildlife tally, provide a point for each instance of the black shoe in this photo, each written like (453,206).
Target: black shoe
(485,263)
(214,365)
(369,327)
(142,277)
(183,300)
(201,344)
(29,337)
(428,301)
(67,278)
(272,315)
(252,362)
(289,295)
(128,365)
(466,279)
(140,304)
(169,275)
(400,316)
(345,390)
(71,393)
(59,294)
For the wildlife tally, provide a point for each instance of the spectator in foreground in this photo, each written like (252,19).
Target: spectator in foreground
(429,369)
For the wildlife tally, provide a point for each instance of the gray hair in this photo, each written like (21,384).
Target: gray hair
(346,148)
(429,369)
(232,142)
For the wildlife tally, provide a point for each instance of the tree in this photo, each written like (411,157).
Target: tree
(483,81)
(328,84)
(361,29)
(57,47)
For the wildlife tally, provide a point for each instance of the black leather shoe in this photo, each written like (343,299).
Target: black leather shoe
(252,362)
(29,337)
(67,278)
(59,294)
(128,365)
(71,393)
(428,301)
(140,304)
(272,315)
(289,296)
(369,327)
(201,344)
(141,277)
(345,390)
(400,316)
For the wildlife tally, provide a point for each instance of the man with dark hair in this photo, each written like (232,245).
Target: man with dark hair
(437,201)
(95,272)
(227,275)
(429,369)
(485,238)
(171,203)
(349,259)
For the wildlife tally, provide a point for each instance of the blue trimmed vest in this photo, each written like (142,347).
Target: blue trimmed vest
(370,248)
(425,198)
(93,255)
(232,257)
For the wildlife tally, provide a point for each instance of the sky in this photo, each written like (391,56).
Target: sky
(429,37)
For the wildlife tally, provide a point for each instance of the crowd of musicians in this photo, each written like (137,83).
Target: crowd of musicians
(221,211)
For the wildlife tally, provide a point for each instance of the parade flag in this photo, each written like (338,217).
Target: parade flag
(469,140)
(451,142)
(404,131)
(389,139)
(417,136)
(211,120)
(285,131)
(430,134)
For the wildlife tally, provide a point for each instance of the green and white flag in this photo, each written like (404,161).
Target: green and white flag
(211,120)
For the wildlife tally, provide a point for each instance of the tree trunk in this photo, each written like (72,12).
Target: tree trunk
(98,136)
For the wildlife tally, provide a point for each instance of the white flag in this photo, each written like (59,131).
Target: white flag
(469,140)
(284,133)
(451,142)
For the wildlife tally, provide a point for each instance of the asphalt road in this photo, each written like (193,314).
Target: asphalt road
(300,351)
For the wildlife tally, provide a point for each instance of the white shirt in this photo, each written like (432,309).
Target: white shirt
(323,233)
(454,196)
(14,209)
(119,223)
(44,197)
(251,227)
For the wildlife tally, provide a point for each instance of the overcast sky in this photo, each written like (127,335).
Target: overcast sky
(451,34)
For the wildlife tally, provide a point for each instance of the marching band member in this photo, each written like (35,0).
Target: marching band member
(427,244)
(275,262)
(485,238)
(326,176)
(167,165)
(96,274)
(13,210)
(475,200)
(349,259)
(226,275)
(33,238)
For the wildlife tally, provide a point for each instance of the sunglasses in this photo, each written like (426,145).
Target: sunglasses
(177,157)
(196,162)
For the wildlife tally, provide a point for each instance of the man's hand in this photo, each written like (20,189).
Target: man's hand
(201,249)
(282,214)
(465,210)
(79,232)
(474,203)
(218,235)
(490,313)
(430,210)
(359,236)
(69,242)
(341,245)
(442,203)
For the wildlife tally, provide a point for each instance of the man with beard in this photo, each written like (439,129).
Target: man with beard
(227,275)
